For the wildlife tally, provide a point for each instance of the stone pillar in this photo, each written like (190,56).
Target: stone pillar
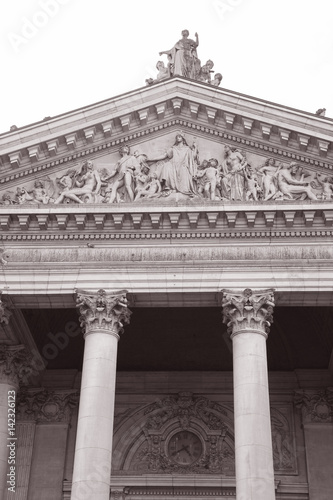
(12,359)
(316,408)
(102,317)
(248,316)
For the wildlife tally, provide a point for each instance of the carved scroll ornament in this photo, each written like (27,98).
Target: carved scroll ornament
(42,405)
(103,311)
(315,406)
(248,310)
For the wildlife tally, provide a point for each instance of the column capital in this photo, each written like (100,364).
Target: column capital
(103,311)
(250,310)
(316,406)
(13,359)
(5,314)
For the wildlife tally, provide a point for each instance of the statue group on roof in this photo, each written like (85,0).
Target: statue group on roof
(183,61)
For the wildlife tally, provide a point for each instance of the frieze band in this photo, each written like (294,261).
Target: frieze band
(177,174)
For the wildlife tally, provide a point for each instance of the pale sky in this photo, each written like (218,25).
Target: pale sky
(59,55)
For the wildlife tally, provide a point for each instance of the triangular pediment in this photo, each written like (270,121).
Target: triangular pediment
(253,142)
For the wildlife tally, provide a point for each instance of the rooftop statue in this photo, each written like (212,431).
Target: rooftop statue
(183,56)
(183,61)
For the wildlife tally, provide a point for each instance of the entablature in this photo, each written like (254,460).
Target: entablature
(211,219)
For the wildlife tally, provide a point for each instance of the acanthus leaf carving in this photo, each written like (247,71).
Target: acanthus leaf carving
(14,359)
(5,313)
(248,310)
(102,310)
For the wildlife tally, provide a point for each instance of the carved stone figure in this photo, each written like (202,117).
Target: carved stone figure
(327,186)
(253,189)
(233,181)
(208,176)
(180,168)
(184,59)
(7,200)
(217,79)
(162,74)
(40,194)
(176,174)
(22,196)
(205,72)
(289,185)
(124,173)
(151,188)
(269,173)
(82,187)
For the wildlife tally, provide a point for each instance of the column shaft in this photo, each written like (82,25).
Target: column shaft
(253,438)
(93,449)
(248,315)
(102,317)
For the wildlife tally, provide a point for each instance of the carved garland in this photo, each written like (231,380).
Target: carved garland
(315,406)
(42,405)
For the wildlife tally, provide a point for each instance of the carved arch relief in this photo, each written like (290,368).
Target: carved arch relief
(180,434)
(175,167)
(185,434)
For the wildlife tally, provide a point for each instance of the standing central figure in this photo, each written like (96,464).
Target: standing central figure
(180,169)
(183,56)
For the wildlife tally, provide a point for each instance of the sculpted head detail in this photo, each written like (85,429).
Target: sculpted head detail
(293,167)
(185,33)
(124,150)
(213,162)
(160,65)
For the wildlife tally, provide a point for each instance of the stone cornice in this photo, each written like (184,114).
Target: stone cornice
(212,112)
(184,220)
(80,152)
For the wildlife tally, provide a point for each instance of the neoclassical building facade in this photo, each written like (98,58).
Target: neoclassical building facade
(166,278)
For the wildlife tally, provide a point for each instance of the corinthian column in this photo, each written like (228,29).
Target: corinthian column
(102,317)
(12,359)
(248,315)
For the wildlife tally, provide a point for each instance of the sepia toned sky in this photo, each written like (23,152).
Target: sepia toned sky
(59,55)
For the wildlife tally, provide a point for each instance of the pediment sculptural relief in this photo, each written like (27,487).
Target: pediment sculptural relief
(177,174)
